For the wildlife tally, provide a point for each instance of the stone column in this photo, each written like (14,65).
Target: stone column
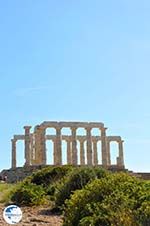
(121,157)
(43,145)
(82,152)
(108,153)
(37,145)
(31,149)
(104,147)
(32,139)
(58,146)
(13,158)
(27,145)
(95,156)
(89,146)
(74,146)
(56,161)
(40,145)
(54,151)
(69,154)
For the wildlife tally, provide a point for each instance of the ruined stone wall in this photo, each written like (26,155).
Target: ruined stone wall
(20,173)
(35,144)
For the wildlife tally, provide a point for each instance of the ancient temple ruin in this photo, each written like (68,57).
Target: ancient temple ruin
(86,153)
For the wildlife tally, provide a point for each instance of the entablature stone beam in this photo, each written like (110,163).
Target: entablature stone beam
(49,124)
(114,138)
(19,137)
(79,137)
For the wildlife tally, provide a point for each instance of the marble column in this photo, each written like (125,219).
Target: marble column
(38,146)
(58,145)
(43,145)
(104,147)
(74,146)
(82,152)
(55,151)
(27,145)
(32,155)
(121,157)
(69,154)
(89,146)
(95,155)
(108,153)
(31,149)
(13,158)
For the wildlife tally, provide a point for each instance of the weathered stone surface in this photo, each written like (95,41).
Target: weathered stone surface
(18,174)
(35,145)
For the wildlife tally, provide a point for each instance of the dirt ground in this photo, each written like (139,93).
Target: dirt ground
(35,216)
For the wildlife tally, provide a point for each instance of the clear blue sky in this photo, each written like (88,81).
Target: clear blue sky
(76,60)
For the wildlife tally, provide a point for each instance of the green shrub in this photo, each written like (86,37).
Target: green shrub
(77,179)
(49,175)
(6,192)
(116,200)
(38,187)
(28,194)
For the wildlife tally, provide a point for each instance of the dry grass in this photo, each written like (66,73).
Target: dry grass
(5,192)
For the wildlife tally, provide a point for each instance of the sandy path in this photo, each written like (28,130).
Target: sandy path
(36,216)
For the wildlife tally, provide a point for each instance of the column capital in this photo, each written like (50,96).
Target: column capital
(58,128)
(37,127)
(42,127)
(82,139)
(88,128)
(94,141)
(67,139)
(103,128)
(27,127)
(119,141)
(73,128)
(103,132)
(13,141)
(96,138)
(53,139)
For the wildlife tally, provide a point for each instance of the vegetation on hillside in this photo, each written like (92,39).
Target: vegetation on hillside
(75,180)
(40,187)
(87,196)
(6,191)
(117,199)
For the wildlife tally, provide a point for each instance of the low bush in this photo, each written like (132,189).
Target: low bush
(50,174)
(28,194)
(6,191)
(77,179)
(116,200)
(40,186)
